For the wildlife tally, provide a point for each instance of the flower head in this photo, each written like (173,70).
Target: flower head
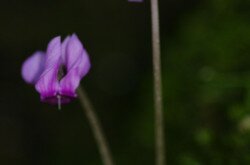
(57,72)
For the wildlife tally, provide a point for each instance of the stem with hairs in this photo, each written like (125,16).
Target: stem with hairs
(159,116)
(95,126)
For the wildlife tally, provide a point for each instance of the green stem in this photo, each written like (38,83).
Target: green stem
(159,116)
(96,127)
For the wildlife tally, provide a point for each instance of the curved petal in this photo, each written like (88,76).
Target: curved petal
(74,50)
(48,84)
(64,45)
(77,64)
(32,67)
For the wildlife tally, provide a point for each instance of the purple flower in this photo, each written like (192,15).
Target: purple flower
(57,72)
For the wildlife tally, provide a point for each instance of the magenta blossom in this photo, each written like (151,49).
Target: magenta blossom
(57,72)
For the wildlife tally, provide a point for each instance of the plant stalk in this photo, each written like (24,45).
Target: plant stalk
(159,116)
(95,126)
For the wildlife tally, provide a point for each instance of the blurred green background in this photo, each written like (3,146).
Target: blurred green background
(206,81)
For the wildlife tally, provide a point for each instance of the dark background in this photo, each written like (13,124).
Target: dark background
(206,82)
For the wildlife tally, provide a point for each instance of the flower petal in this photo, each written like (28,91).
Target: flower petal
(73,51)
(77,64)
(33,67)
(48,83)
(64,45)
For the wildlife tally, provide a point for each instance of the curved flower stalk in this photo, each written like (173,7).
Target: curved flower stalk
(57,72)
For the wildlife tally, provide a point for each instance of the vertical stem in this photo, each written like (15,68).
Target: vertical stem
(96,127)
(159,122)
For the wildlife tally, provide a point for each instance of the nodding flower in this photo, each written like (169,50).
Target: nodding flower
(57,72)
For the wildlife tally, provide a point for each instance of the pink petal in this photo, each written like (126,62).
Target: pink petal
(48,83)
(73,51)
(33,67)
(64,45)
(77,64)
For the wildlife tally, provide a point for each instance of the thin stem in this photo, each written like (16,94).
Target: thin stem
(159,119)
(96,127)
